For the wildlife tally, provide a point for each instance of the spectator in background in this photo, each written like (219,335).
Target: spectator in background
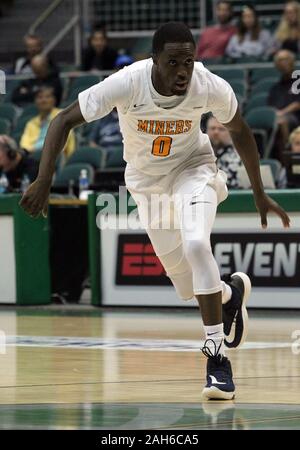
(282,98)
(293,146)
(227,158)
(35,130)
(294,141)
(34,46)
(15,163)
(287,34)
(98,55)
(213,40)
(106,131)
(45,74)
(250,39)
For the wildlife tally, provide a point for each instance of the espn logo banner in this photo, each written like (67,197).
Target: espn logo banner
(137,263)
(270,259)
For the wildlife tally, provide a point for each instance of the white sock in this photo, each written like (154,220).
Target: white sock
(226,292)
(214,335)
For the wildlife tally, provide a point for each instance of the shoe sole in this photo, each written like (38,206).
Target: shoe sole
(213,393)
(247,292)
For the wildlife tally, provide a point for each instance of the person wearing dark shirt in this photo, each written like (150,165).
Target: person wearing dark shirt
(283,99)
(45,75)
(15,163)
(98,55)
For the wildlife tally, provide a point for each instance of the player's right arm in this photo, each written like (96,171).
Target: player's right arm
(92,104)
(35,199)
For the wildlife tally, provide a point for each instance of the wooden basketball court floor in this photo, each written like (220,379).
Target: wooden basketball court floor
(84,368)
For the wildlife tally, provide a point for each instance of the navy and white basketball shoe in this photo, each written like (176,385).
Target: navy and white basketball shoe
(235,316)
(219,384)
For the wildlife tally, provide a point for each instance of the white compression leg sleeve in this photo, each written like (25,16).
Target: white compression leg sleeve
(180,272)
(197,218)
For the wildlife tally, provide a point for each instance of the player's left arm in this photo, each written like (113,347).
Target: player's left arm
(245,145)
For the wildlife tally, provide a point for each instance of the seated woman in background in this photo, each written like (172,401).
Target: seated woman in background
(250,39)
(36,128)
(287,34)
(98,55)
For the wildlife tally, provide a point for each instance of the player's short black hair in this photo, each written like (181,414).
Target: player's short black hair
(171,32)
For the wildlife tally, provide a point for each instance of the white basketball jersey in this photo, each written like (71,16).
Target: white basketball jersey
(157,140)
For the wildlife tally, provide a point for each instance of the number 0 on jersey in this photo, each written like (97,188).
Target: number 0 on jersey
(162,146)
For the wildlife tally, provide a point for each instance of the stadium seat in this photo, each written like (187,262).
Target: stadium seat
(263,86)
(64,104)
(239,88)
(19,128)
(4,126)
(85,131)
(142,47)
(256,101)
(261,73)
(86,80)
(231,74)
(10,87)
(247,60)
(214,61)
(9,112)
(88,155)
(72,172)
(114,157)
(80,84)
(67,68)
(37,154)
(241,102)
(65,82)
(263,121)
(274,165)
(73,93)
(29,111)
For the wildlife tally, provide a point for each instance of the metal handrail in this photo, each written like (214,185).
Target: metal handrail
(74,23)
(61,34)
(44,16)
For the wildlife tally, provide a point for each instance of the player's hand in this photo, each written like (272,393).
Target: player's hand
(35,200)
(264,205)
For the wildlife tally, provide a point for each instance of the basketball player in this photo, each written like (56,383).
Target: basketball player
(160,102)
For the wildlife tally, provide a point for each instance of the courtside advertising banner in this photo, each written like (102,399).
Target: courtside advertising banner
(133,275)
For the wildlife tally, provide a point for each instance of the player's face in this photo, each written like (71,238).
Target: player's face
(175,66)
